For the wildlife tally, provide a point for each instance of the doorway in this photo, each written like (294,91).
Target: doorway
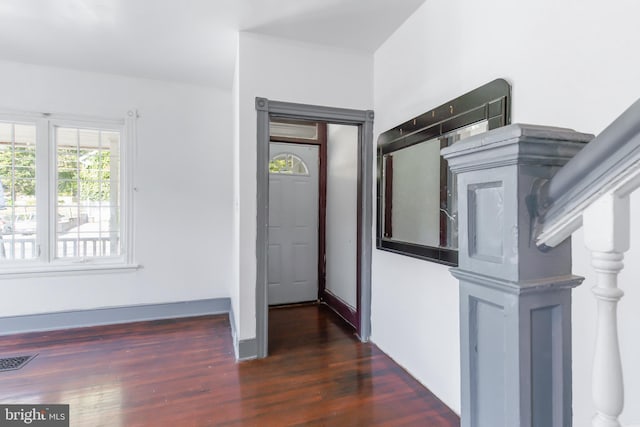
(267,110)
(294,216)
(313,234)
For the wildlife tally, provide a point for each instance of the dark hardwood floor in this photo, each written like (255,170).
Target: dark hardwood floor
(183,373)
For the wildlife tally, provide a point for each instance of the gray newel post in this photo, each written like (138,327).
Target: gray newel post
(515,300)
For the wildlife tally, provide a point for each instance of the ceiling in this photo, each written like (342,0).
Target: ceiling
(191,41)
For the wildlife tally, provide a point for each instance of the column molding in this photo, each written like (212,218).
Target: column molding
(515,300)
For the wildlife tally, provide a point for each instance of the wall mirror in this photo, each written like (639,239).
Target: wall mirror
(416,192)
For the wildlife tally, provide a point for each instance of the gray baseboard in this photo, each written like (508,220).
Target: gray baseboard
(243,349)
(112,315)
(247,349)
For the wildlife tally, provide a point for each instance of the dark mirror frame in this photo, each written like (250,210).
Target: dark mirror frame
(490,102)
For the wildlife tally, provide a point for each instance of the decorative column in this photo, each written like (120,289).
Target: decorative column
(606,235)
(515,300)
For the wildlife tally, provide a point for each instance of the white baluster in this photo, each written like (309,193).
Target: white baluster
(606,233)
(608,391)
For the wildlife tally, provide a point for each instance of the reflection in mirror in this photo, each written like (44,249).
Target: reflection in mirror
(417,206)
(412,188)
(420,191)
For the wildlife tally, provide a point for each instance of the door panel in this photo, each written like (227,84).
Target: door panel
(293,226)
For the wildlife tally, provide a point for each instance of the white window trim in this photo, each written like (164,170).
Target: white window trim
(46,264)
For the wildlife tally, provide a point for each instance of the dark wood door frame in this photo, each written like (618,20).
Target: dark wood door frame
(266,110)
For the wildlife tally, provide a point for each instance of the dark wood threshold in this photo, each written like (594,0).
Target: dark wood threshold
(293,304)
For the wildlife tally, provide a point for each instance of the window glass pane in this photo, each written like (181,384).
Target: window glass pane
(109,138)
(88,199)
(66,137)
(288,164)
(6,132)
(67,190)
(18,225)
(89,138)
(294,130)
(103,162)
(25,134)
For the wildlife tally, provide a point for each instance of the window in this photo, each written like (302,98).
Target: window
(289,164)
(18,201)
(293,129)
(64,203)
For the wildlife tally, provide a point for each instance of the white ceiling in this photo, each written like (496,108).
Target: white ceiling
(183,40)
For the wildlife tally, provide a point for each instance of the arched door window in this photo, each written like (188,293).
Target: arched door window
(286,163)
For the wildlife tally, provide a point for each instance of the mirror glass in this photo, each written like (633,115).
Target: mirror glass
(417,202)
(420,204)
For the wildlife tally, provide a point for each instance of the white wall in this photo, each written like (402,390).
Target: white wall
(342,212)
(284,70)
(571,64)
(183,206)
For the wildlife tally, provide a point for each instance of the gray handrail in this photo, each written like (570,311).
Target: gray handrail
(613,139)
(591,171)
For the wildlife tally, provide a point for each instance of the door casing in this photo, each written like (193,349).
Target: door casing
(266,109)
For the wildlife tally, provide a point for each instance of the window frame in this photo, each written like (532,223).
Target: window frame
(46,263)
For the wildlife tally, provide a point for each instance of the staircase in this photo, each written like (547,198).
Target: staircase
(522,191)
(592,191)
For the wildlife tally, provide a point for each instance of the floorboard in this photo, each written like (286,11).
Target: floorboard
(182,373)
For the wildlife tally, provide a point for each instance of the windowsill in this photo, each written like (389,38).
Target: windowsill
(77,269)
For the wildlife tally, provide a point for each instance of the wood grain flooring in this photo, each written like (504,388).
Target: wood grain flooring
(183,373)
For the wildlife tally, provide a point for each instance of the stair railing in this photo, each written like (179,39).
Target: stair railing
(592,190)
(522,191)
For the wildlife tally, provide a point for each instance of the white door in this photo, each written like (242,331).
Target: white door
(293,223)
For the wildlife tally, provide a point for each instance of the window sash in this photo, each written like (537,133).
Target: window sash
(47,193)
(20,215)
(73,144)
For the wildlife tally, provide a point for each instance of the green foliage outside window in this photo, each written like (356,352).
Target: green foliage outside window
(277,165)
(90,170)
(24,170)
(86,176)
